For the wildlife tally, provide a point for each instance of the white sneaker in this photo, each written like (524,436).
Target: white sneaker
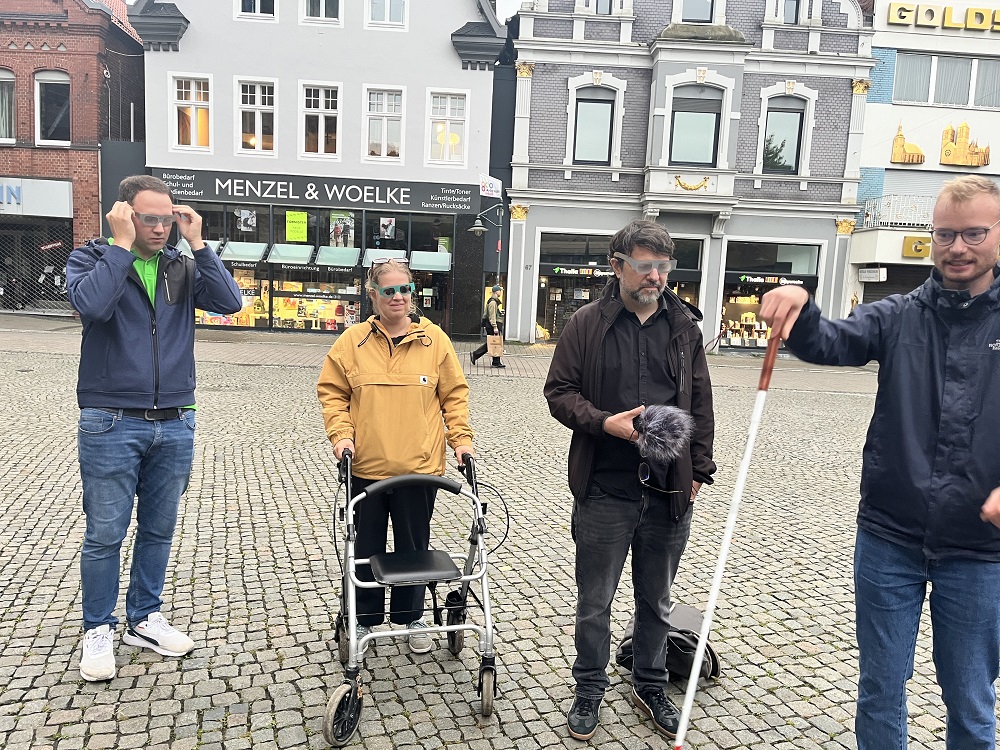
(420,643)
(98,660)
(156,633)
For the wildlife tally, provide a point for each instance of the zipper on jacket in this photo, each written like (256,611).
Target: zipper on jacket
(156,363)
(166,287)
(683,373)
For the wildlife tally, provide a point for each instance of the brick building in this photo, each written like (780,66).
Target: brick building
(71,81)
(737,125)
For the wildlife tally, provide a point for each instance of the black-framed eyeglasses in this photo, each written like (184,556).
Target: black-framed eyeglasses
(644,481)
(391,291)
(663,267)
(970,236)
(152,220)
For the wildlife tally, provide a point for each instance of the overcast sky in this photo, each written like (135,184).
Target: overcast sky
(507,8)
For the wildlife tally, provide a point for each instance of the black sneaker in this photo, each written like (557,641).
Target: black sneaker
(652,702)
(583,717)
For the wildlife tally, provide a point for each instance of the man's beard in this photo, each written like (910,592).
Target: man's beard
(645,295)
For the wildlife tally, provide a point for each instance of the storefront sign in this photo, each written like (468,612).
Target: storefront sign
(915,246)
(867,275)
(595,272)
(26,197)
(772,280)
(490,187)
(298,190)
(51,246)
(296,226)
(925,15)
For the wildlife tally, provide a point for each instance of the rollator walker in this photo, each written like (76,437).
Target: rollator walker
(343,711)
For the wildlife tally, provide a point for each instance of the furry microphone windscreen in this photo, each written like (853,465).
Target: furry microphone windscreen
(664,432)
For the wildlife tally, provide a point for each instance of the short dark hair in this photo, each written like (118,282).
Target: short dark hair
(132,186)
(641,232)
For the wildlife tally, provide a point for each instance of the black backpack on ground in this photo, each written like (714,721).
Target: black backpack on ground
(682,641)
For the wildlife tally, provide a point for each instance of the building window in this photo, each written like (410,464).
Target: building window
(385,124)
(256,112)
(940,79)
(694,126)
(391,12)
(264,8)
(602,7)
(328,10)
(791,10)
(783,134)
(191,102)
(319,119)
(447,128)
(697,11)
(595,109)
(8,132)
(52,108)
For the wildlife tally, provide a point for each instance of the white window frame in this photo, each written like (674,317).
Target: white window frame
(970,102)
(172,103)
(387,25)
(57,77)
(799,91)
(301,119)
(366,116)
(431,93)
(692,77)
(321,20)
(255,16)
(239,107)
(596,79)
(718,13)
(7,75)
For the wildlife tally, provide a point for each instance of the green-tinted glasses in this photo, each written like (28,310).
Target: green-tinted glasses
(392,291)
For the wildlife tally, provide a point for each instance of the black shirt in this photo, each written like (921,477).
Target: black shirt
(634,372)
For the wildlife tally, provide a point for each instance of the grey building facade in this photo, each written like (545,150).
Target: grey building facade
(316,136)
(736,125)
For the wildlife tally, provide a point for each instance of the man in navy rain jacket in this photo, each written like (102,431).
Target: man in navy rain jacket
(136,298)
(930,482)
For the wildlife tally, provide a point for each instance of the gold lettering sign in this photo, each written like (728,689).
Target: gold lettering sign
(929,15)
(901,13)
(932,16)
(916,246)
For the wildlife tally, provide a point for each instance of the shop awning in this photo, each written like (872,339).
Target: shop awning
(249,252)
(374,252)
(422,260)
(185,249)
(282,253)
(346,257)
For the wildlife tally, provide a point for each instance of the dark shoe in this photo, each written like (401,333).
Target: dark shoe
(498,364)
(652,702)
(583,717)
(472,356)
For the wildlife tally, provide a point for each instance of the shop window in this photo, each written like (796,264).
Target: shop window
(791,11)
(385,124)
(783,135)
(772,257)
(387,12)
(320,110)
(577,249)
(595,109)
(342,229)
(52,108)
(697,11)
(688,253)
(694,125)
(447,131)
(386,231)
(325,10)
(193,112)
(432,233)
(8,132)
(256,8)
(213,222)
(249,223)
(256,117)
(292,226)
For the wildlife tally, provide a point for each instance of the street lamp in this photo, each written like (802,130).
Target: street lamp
(478,228)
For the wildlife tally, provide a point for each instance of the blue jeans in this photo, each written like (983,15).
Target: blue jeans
(122,458)
(605,527)
(890,583)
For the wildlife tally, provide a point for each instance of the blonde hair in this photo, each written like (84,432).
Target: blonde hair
(967,187)
(376,272)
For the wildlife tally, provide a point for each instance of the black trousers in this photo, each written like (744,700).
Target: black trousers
(481,351)
(410,509)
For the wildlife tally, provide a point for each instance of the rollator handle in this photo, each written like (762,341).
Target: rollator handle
(468,469)
(344,465)
(410,480)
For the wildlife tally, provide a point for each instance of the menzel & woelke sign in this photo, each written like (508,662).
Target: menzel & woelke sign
(333,192)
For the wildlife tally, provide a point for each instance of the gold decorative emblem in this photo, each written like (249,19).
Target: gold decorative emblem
(861,85)
(598,75)
(903,152)
(958,149)
(846,226)
(689,186)
(518,213)
(525,69)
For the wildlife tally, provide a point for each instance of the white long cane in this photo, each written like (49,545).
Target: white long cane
(727,538)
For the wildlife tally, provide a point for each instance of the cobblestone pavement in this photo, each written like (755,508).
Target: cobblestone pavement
(254,577)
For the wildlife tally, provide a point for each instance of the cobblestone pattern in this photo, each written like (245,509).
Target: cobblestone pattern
(254,576)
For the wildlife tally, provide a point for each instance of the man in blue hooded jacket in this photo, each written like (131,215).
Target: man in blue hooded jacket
(136,298)
(930,482)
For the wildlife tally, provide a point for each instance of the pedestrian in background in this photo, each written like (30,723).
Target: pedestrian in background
(492,324)
(930,482)
(391,385)
(136,299)
(638,345)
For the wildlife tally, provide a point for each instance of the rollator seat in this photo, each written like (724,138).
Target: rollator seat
(402,568)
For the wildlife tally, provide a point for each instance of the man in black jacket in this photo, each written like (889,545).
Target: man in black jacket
(930,481)
(638,345)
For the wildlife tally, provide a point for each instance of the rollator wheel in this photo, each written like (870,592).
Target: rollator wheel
(343,714)
(456,639)
(489,687)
